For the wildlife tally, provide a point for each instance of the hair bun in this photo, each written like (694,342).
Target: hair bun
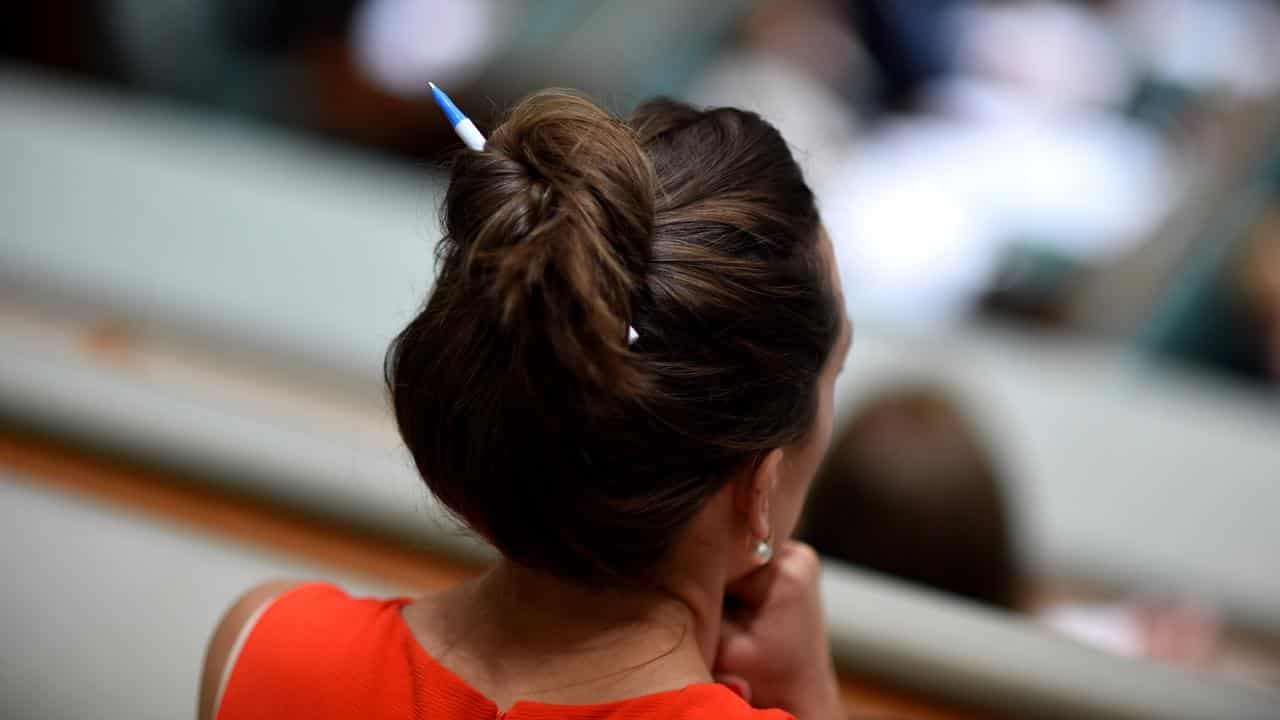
(555,222)
(528,415)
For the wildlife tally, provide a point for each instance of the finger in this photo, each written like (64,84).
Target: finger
(735,650)
(752,591)
(730,633)
(737,684)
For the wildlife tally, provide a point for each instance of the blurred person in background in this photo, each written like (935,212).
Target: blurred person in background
(1002,125)
(798,63)
(910,490)
(1047,140)
(1260,280)
(597,277)
(1225,316)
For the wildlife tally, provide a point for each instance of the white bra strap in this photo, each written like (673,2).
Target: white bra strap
(236,647)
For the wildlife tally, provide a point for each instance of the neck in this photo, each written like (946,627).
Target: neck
(662,638)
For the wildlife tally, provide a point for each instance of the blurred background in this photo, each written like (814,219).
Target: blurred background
(1058,225)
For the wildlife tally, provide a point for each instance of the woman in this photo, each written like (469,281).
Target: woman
(622,380)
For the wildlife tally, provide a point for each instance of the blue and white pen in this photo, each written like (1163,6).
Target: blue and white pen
(461,123)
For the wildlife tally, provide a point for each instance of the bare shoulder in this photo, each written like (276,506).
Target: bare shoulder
(222,645)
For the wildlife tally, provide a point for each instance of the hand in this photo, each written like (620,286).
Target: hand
(773,642)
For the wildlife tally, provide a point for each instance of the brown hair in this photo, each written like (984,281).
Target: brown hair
(1259,268)
(909,490)
(527,412)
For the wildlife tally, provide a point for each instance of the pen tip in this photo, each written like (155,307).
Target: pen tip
(433,85)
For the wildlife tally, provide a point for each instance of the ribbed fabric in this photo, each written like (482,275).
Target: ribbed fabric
(318,653)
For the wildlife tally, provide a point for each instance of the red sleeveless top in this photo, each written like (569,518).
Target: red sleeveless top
(318,653)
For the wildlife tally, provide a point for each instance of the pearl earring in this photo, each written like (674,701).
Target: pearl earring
(764,550)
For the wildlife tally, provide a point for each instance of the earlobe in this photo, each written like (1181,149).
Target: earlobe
(764,482)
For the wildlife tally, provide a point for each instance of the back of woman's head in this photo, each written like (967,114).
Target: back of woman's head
(527,410)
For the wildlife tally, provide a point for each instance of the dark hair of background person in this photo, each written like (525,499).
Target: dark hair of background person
(1258,282)
(515,389)
(908,490)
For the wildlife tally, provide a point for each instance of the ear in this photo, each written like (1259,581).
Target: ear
(755,494)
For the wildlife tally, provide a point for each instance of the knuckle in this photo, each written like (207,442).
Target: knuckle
(801,565)
(806,558)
